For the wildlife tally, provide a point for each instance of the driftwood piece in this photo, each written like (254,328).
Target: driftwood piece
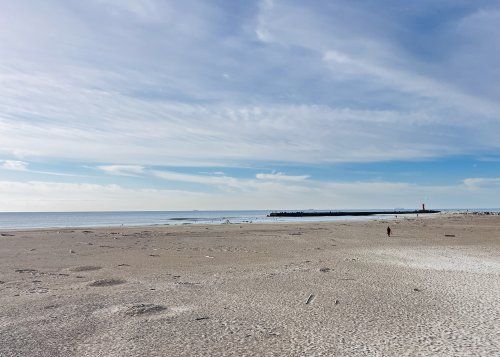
(310,299)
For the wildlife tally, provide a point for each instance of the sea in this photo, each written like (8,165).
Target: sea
(29,220)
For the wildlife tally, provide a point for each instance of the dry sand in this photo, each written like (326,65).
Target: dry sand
(304,289)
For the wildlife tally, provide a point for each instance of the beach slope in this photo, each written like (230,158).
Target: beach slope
(301,289)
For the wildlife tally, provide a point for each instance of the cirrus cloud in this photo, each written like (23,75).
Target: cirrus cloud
(122,170)
(281,177)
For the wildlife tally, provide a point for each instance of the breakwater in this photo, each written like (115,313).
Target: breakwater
(346,213)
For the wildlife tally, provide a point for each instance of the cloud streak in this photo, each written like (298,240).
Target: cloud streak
(278,176)
(122,170)
(480,182)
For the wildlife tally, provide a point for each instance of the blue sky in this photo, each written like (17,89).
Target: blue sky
(170,105)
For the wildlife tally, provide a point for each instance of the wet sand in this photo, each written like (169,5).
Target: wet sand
(302,289)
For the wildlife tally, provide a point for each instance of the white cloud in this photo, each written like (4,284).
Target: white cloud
(122,170)
(14,165)
(53,196)
(281,177)
(480,182)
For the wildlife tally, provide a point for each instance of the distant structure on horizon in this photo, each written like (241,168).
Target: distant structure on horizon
(348,213)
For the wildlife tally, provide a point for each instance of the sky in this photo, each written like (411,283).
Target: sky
(184,105)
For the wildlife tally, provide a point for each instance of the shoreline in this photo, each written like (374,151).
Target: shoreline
(204,224)
(270,220)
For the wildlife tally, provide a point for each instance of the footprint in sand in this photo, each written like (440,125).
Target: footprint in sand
(85,268)
(107,282)
(26,271)
(144,309)
(38,290)
(141,309)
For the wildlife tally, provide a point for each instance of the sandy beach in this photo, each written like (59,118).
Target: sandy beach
(301,289)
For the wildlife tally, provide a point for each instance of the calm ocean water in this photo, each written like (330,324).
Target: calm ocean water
(19,220)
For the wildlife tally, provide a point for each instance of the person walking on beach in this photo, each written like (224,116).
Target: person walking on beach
(388,231)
